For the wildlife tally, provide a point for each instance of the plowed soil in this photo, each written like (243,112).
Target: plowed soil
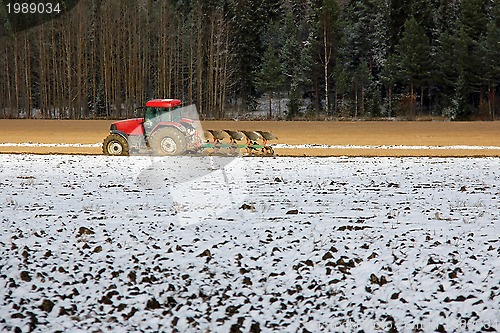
(370,133)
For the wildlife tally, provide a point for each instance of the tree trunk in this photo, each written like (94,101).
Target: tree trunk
(211,69)
(362,100)
(493,100)
(16,75)
(413,101)
(421,99)
(28,100)
(390,101)
(8,77)
(355,100)
(336,106)
(199,59)
(328,53)
(270,105)
(191,68)
(317,102)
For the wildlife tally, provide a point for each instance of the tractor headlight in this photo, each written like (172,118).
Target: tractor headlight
(113,127)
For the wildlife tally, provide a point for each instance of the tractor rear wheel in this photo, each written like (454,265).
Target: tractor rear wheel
(168,141)
(115,144)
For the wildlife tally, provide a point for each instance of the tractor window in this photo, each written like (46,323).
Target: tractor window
(176,114)
(156,115)
(151,117)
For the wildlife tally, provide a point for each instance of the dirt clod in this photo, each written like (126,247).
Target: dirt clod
(47,305)
(153,304)
(84,231)
(25,276)
(247,207)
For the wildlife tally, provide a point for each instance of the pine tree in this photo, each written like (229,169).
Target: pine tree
(473,25)
(366,35)
(389,77)
(290,51)
(446,16)
(342,88)
(270,77)
(362,78)
(250,19)
(399,13)
(414,59)
(492,63)
(4,26)
(298,55)
(453,55)
(422,11)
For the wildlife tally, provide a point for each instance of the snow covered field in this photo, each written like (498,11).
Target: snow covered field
(190,244)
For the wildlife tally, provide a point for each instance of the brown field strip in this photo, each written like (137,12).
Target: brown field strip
(370,134)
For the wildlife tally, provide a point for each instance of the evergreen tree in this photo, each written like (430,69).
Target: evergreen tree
(342,88)
(299,47)
(293,104)
(473,17)
(447,68)
(366,46)
(362,78)
(4,25)
(389,77)
(366,34)
(414,59)
(305,74)
(399,13)
(290,51)
(492,63)
(446,16)
(270,77)
(453,57)
(250,20)
(422,11)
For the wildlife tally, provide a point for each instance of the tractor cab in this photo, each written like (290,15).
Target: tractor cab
(161,111)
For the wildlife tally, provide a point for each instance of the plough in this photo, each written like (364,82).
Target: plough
(214,139)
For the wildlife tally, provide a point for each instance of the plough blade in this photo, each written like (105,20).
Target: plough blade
(214,139)
(228,146)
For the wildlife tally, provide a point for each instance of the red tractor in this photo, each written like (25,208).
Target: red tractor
(165,130)
(162,129)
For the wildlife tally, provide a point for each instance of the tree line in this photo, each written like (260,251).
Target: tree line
(321,58)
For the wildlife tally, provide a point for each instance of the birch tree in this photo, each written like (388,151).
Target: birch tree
(329,25)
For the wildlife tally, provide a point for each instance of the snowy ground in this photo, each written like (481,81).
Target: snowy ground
(190,244)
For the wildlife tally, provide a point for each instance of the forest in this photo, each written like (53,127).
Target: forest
(315,59)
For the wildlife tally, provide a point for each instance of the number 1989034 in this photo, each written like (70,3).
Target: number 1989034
(33,8)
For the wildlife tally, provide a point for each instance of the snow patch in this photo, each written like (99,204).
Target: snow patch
(388,147)
(259,244)
(70,145)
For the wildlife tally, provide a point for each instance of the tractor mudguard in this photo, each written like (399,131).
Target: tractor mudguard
(120,133)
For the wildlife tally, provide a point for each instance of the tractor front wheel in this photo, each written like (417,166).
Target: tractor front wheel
(168,141)
(116,145)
